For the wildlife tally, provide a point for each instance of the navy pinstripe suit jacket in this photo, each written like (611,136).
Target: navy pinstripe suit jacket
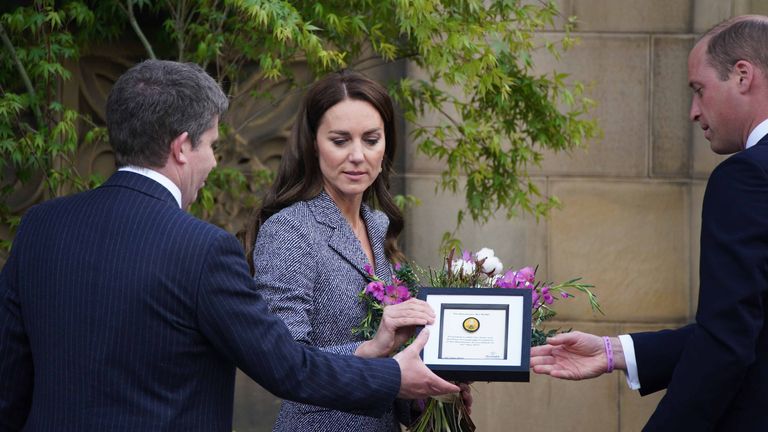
(121,312)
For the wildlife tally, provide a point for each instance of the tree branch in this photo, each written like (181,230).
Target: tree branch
(135,25)
(24,76)
(179,25)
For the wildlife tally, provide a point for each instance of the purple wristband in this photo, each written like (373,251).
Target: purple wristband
(608,353)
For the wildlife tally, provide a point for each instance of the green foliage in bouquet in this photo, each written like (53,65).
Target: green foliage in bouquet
(467,270)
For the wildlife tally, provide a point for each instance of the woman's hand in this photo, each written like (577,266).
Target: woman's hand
(397,325)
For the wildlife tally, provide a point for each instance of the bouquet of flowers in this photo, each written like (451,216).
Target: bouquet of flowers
(474,270)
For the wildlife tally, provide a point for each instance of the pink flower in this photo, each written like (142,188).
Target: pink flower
(506,281)
(398,266)
(564,295)
(368,269)
(376,290)
(548,299)
(525,277)
(394,294)
(466,256)
(546,296)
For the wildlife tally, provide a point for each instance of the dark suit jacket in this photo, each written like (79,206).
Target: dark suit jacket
(716,370)
(121,312)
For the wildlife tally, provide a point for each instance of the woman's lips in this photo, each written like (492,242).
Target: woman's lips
(354,174)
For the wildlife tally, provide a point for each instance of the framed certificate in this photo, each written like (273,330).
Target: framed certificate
(479,334)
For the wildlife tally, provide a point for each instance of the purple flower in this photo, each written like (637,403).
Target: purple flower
(534,298)
(398,266)
(525,277)
(548,299)
(368,269)
(507,281)
(405,293)
(466,256)
(564,295)
(376,290)
(394,294)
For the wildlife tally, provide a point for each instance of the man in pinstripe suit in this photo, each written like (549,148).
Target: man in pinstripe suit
(121,312)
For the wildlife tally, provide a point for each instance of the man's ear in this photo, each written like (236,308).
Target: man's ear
(746,73)
(178,149)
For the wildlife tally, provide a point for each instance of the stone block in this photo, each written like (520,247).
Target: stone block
(648,16)
(745,7)
(517,242)
(549,404)
(707,13)
(704,159)
(615,68)
(255,409)
(631,240)
(671,132)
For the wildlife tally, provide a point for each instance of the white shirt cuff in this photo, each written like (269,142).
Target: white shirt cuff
(628,346)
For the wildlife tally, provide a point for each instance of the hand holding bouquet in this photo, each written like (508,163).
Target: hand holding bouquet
(479,270)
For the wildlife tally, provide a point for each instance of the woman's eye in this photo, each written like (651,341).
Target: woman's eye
(372,141)
(338,141)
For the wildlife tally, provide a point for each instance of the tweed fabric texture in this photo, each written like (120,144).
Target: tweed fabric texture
(309,267)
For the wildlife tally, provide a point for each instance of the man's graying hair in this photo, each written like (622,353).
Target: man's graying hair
(740,38)
(153,103)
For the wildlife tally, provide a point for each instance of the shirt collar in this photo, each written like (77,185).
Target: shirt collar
(156,176)
(757,134)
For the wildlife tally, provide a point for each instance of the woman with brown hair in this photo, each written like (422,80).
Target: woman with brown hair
(318,229)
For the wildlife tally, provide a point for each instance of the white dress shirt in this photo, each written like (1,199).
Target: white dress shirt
(760,131)
(156,176)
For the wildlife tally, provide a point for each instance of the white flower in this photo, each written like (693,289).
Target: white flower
(484,253)
(491,265)
(462,267)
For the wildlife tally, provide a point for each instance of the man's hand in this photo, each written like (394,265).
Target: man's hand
(397,326)
(575,356)
(416,380)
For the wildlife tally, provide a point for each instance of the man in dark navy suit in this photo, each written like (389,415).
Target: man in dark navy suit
(121,312)
(716,369)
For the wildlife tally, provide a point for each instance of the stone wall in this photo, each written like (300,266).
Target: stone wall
(631,204)
(630,218)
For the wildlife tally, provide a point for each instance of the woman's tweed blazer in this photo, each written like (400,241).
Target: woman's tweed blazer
(309,267)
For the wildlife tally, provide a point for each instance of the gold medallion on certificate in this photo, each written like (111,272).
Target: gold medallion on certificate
(471,324)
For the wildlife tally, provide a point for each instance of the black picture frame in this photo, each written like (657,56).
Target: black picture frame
(517,305)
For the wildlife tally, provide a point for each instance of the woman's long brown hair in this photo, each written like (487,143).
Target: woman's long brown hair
(299,177)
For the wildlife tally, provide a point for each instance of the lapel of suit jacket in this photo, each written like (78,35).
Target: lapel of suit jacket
(342,239)
(142,184)
(377,232)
